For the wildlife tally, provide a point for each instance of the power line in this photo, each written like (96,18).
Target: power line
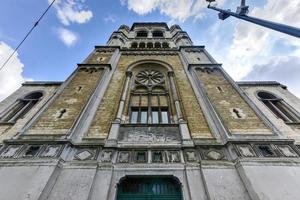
(29,32)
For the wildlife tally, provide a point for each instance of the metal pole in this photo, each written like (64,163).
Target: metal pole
(272,25)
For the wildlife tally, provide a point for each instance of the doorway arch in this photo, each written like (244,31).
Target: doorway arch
(149,188)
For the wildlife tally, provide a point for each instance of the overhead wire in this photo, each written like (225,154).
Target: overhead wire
(26,36)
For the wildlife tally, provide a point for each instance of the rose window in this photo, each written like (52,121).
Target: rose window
(149,78)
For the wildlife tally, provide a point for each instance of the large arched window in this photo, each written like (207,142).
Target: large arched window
(135,188)
(279,107)
(20,107)
(149,101)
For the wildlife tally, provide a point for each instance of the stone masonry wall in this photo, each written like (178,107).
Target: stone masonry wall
(59,117)
(235,113)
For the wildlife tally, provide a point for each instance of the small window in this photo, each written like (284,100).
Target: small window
(141,157)
(157,34)
(142,34)
(32,151)
(266,151)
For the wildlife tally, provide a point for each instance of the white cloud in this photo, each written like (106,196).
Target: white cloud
(175,9)
(110,18)
(255,45)
(72,11)
(283,69)
(68,37)
(11,75)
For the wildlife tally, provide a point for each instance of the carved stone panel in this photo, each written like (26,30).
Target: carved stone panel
(85,154)
(287,151)
(173,156)
(246,151)
(214,155)
(124,157)
(106,156)
(10,151)
(191,156)
(51,151)
(149,134)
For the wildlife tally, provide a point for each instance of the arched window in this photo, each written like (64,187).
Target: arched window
(134,45)
(157,45)
(142,45)
(135,188)
(149,101)
(157,34)
(279,107)
(149,45)
(165,45)
(20,107)
(142,34)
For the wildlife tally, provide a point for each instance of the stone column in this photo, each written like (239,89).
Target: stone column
(114,130)
(184,131)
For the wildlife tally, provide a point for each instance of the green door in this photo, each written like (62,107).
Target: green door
(149,189)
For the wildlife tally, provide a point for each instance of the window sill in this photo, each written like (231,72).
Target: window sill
(149,125)
(292,123)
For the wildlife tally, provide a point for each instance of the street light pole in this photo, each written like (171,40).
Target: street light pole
(242,14)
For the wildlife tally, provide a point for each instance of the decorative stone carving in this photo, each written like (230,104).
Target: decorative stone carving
(160,53)
(193,50)
(85,154)
(173,156)
(124,157)
(214,155)
(149,78)
(287,151)
(105,50)
(106,156)
(51,151)
(191,156)
(246,151)
(150,135)
(10,152)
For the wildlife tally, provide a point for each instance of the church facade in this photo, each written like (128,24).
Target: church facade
(150,116)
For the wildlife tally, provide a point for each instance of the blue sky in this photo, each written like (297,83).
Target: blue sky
(71,29)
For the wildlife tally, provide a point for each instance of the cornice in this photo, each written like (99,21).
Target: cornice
(261,83)
(44,83)
(204,65)
(84,65)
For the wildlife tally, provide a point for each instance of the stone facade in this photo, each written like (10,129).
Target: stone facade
(152,107)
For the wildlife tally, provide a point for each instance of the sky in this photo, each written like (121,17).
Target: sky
(71,29)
